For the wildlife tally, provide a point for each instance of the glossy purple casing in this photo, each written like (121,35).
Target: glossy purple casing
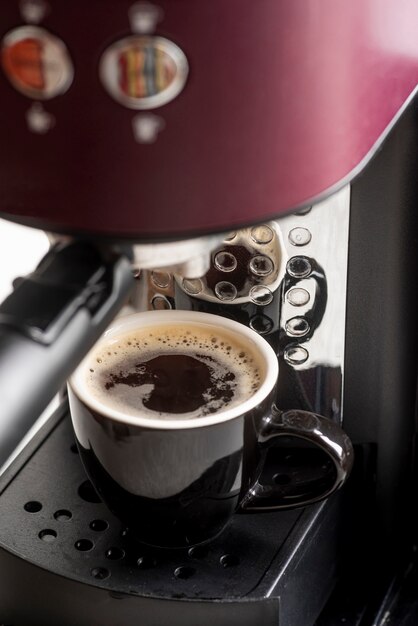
(284,102)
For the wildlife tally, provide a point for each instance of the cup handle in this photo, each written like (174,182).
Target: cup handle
(314,457)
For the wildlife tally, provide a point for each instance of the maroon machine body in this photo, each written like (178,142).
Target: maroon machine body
(282,103)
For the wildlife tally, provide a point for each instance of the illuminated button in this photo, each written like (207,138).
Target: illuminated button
(297,326)
(143,72)
(299,267)
(298,296)
(300,236)
(36,63)
(296,355)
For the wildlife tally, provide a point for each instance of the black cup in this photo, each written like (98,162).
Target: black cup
(177,483)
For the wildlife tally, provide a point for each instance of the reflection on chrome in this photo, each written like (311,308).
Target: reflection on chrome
(320,299)
(294,294)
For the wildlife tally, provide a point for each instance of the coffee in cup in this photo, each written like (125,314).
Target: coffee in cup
(173,413)
(169,371)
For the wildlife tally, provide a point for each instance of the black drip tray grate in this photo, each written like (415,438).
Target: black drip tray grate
(52,516)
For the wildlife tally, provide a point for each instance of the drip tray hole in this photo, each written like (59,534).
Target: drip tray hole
(84,545)
(100,573)
(99,525)
(146,562)
(184,572)
(115,554)
(229,560)
(33,506)
(48,535)
(63,515)
(198,552)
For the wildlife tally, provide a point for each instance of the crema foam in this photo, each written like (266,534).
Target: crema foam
(173,371)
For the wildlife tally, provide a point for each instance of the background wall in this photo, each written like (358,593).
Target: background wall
(20,250)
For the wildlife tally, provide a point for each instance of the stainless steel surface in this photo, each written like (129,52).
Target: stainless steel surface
(190,257)
(311,349)
(318,361)
(248,266)
(309,254)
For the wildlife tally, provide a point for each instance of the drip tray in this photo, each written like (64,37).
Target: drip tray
(64,559)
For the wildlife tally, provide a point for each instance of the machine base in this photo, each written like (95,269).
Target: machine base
(64,559)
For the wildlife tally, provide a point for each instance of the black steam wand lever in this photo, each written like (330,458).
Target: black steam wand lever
(48,323)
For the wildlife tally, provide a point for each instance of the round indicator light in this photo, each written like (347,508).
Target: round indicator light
(36,63)
(142,72)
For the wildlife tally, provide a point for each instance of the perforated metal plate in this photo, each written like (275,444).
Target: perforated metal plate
(52,516)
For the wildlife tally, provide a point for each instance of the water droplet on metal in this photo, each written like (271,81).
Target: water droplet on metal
(261,324)
(225,262)
(297,326)
(160,279)
(262,234)
(298,296)
(261,295)
(192,286)
(226,291)
(300,236)
(261,265)
(296,355)
(299,267)
(160,303)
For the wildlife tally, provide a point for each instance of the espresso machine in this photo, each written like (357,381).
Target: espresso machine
(255,160)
